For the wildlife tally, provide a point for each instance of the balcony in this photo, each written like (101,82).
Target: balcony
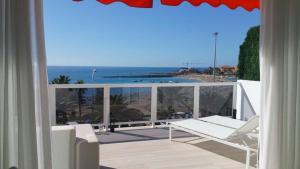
(150,148)
(140,113)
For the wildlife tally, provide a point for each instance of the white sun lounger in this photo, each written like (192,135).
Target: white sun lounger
(224,121)
(219,129)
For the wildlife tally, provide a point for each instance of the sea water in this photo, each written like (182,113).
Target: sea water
(108,75)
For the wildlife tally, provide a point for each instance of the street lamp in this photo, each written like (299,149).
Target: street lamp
(215,58)
(93,74)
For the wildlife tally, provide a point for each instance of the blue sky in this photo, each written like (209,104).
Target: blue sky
(92,34)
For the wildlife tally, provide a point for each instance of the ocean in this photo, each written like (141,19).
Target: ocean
(108,75)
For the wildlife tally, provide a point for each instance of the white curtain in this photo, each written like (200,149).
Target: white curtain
(24,121)
(280,80)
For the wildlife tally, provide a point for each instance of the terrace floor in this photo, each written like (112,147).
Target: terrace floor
(150,149)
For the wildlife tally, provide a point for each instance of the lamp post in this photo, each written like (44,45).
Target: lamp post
(215,57)
(93,74)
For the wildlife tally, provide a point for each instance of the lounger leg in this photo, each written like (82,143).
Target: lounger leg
(170,133)
(248,159)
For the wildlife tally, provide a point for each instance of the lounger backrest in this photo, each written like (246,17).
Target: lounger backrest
(248,127)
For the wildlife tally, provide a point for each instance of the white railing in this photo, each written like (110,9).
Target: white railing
(248,99)
(154,98)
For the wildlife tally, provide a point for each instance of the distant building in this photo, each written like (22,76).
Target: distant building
(228,70)
(185,70)
(223,70)
(210,70)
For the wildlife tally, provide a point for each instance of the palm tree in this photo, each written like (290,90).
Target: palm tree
(216,100)
(120,112)
(118,104)
(97,106)
(61,115)
(61,79)
(174,99)
(81,98)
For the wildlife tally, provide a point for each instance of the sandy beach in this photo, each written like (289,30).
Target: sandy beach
(205,78)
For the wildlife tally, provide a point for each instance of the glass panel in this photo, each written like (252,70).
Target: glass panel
(130,104)
(216,100)
(175,102)
(79,105)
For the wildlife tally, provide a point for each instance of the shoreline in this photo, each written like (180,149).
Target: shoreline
(205,77)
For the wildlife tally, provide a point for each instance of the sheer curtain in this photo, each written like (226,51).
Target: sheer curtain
(280,65)
(24,122)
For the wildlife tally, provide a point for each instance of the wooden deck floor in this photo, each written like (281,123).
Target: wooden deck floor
(183,153)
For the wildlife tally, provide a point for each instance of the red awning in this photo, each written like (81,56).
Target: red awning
(132,3)
(249,5)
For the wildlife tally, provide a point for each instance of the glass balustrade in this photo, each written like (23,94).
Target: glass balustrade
(80,105)
(119,103)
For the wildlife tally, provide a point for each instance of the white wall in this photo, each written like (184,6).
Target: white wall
(248,99)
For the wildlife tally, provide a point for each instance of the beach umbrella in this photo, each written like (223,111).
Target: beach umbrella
(248,5)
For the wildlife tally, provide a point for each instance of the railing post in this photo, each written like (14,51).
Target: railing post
(52,104)
(106,112)
(234,99)
(153,105)
(196,101)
